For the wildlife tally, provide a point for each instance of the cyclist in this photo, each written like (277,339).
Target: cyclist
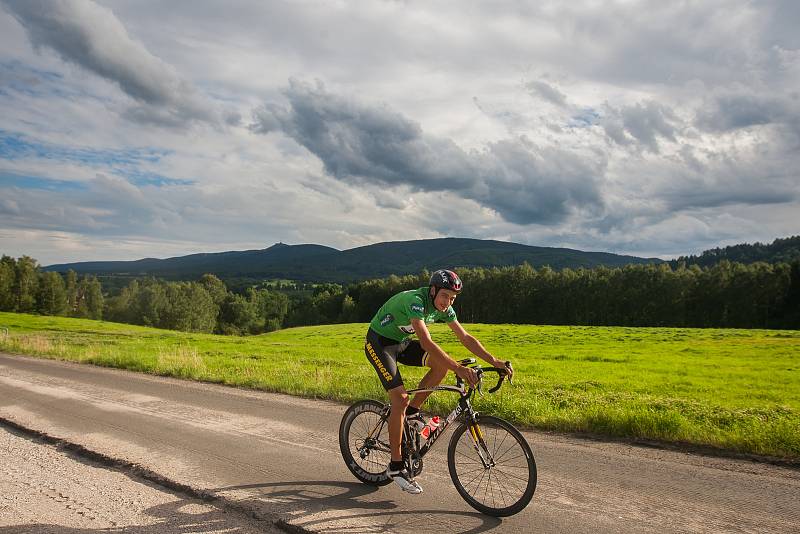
(389,341)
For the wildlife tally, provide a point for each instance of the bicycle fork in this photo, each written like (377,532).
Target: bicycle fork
(480,444)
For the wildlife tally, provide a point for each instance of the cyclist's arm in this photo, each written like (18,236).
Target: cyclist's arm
(435,351)
(430,346)
(473,345)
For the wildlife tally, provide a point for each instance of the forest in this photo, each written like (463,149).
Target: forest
(725,295)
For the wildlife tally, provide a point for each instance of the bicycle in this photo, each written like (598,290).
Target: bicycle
(490,462)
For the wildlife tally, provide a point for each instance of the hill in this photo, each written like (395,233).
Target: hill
(781,250)
(324,264)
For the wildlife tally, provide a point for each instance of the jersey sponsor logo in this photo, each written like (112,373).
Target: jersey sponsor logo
(388,318)
(378,363)
(417,308)
(408,329)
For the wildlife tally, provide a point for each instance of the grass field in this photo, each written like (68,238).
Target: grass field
(737,390)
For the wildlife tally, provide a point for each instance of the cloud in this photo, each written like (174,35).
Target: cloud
(547,92)
(360,144)
(624,126)
(643,122)
(91,36)
(743,109)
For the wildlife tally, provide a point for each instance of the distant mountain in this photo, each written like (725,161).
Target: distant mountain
(781,250)
(324,264)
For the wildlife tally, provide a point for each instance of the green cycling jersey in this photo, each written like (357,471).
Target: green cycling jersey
(393,320)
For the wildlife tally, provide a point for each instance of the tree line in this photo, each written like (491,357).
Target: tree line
(205,305)
(24,288)
(727,294)
(782,250)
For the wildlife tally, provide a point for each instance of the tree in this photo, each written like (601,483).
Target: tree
(190,308)
(8,280)
(237,315)
(26,284)
(348,314)
(72,292)
(151,302)
(52,296)
(271,308)
(215,287)
(92,293)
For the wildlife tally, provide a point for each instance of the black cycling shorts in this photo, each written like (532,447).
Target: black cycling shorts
(384,353)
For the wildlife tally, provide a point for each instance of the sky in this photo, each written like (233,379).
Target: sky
(136,128)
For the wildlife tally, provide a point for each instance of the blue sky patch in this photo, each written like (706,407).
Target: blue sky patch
(125,163)
(141,178)
(17,146)
(584,119)
(10,179)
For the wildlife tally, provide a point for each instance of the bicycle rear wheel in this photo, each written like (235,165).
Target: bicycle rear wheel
(364,442)
(492,466)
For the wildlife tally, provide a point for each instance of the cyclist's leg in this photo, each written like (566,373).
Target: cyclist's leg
(415,355)
(399,400)
(384,361)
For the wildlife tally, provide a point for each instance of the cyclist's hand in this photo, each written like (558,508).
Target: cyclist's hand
(468,375)
(500,364)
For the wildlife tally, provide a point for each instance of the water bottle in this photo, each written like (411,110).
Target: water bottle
(432,425)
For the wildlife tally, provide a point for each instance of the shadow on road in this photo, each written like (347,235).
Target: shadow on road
(346,508)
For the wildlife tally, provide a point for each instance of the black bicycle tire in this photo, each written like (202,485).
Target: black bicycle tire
(526,496)
(374,479)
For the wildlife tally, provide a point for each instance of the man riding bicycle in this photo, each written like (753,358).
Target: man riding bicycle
(389,341)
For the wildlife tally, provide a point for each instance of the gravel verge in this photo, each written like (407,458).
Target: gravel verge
(46,487)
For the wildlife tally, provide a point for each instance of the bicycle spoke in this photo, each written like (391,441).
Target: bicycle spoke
(470,458)
(511,447)
(507,460)
(510,483)
(488,483)
(480,481)
(493,477)
(478,470)
(497,446)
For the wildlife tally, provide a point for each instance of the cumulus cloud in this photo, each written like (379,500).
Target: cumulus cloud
(358,143)
(92,37)
(547,92)
(743,109)
(642,123)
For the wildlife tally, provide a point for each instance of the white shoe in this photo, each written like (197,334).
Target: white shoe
(404,479)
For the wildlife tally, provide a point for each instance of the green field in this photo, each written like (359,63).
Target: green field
(737,390)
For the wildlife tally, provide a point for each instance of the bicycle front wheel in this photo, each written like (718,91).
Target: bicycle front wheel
(492,466)
(364,442)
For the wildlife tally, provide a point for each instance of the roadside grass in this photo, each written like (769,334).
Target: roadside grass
(736,390)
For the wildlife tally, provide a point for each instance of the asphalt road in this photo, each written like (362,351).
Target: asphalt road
(277,457)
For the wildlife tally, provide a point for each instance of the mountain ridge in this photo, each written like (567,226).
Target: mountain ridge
(319,263)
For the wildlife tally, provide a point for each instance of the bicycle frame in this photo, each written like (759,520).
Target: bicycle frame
(463,407)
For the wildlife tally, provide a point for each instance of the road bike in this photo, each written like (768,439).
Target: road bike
(490,462)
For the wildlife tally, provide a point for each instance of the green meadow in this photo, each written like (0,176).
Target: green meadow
(733,390)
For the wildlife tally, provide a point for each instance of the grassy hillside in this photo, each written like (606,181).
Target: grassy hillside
(731,389)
